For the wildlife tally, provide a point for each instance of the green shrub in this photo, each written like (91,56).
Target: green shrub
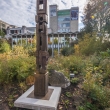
(66,64)
(90,45)
(55,53)
(50,51)
(96,91)
(32,52)
(55,41)
(4,46)
(105,65)
(81,108)
(75,64)
(66,51)
(89,106)
(74,80)
(16,69)
(16,65)
(105,54)
(68,94)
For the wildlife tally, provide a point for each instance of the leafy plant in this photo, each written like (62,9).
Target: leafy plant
(96,91)
(91,44)
(66,51)
(81,108)
(66,64)
(74,80)
(16,66)
(66,102)
(90,106)
(4,46)
(55,41)
(68,94)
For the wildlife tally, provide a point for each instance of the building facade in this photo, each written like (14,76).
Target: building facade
(3,26)
(63,28)
(63,20)
(21,30)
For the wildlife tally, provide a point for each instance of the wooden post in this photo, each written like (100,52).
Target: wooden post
(41,76)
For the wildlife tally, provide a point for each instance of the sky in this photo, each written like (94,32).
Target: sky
(22,12)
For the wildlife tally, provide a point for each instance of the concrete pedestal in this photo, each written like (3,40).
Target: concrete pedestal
(48,102)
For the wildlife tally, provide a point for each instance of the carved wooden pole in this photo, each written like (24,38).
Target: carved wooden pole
(41,76)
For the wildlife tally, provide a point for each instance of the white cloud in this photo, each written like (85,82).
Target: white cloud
(18,12)
(22,12)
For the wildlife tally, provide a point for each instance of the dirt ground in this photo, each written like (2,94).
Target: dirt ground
(70,99)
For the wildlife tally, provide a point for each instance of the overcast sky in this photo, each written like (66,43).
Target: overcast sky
(22,12)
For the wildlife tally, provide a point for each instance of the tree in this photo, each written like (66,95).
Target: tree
(2,33)
(96,16)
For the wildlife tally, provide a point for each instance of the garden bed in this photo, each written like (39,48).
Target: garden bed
(69,100)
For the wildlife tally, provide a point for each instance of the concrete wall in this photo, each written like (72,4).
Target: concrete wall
(74,25)
(53,18)
(3,25)
(53,24)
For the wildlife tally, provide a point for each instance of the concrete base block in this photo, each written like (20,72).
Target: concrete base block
(49,102)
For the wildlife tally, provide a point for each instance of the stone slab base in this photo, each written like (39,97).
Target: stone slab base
(49,102)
